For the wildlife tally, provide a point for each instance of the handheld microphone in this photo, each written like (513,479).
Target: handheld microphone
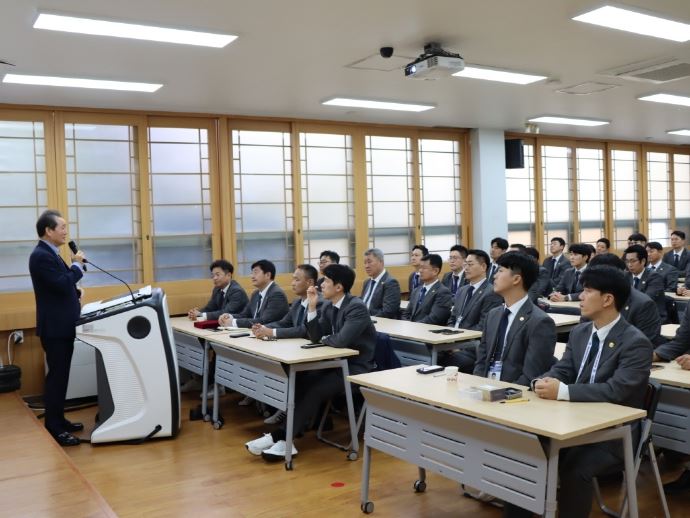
(73,247)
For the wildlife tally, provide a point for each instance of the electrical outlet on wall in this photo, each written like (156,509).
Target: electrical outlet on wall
(18,337)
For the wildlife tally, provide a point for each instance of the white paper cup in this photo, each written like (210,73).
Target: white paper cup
(451,373)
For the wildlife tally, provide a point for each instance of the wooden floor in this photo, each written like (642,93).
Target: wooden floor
(209,472)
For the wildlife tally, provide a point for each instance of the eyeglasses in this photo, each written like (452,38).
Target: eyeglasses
(631,261)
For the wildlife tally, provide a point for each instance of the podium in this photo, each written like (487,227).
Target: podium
(136,366)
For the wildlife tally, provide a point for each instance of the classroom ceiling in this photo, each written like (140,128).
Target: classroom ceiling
(290,56)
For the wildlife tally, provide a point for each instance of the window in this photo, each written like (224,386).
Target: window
(681,188)
(264,221)
(328,219)
(520,196)
(23,196)
(659,197)
(180,203)
(103,199)
(625,195)
(557,189)
(439,177)
(390,196)
(591,210)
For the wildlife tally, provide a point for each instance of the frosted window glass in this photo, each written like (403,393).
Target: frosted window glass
(175,158)
(23,224)
(326,161)
(658,172)
(439,213)
(556,167)
(324,216)
(176,134)
(267,138)
(585,153)
(177,220)
(389,188)
(591,210)
(623,155)
(8,284)
(447,146)
(625,190)
(659,191)
(263,189)
(261,218)
(683,209)
(660,209)
(275,250)
(557,189)
(556,152)
(99,189)
(173,189)
(325,140)
(100,132)
(439,244)
(181,273)
(261,160)
(17,189)
(327,188)
(589,170)
(557,210)
(98,156)
(519,189)
(391,214)
(519,211)
(97,222)
(681,171)
(182,251)
(388,162)
(16,155)
(625,210)
(589,191)
(438,189)
(658,230)
(18,129)
(388,142)
(396,248)
(438,164)
(624,171)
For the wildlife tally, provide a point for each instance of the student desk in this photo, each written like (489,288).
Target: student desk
(669,330)
(265,370)
(564,322)
(508,450)
(418,332)
(680,300)
(192,353)
(569,308)
(671,428)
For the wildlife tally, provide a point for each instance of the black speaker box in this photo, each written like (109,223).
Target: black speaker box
(515,155)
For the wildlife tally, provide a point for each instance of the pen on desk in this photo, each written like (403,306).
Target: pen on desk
(519,400)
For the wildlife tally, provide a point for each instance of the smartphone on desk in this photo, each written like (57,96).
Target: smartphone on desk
(446,331)
(239,335)
(429,369)
(312,346)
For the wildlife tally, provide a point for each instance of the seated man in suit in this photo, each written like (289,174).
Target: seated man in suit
(381,292)
(656,264)
(268,303)
(542,286)
(499,246)
(637,238)
(431,302)
(606,360)
(557,263)
(519,338)
(325,258)
(471,306)
(344,322)
(678,255)
(455,278)
(602,247)
(418,251)
(644,280)
(569,287)
(227,296)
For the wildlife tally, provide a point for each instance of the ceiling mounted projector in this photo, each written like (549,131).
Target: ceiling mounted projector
(434,63)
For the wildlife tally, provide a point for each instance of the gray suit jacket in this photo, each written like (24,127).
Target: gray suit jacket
(235,300)
(556,273)
(680,343)
(447,281)
(385,302)
(624,366)
(567,285)
(542,286)
(434,309)
(641,311)
(273,308)
(683,263)
(670,276)
(652,284)
(529,345)
(351,328)
(474,313)
(291,325)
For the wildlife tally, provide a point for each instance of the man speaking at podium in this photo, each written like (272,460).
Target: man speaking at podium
(57,311)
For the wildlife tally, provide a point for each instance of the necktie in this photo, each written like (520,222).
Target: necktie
(258,307)
(653,268)
(422,293)
(415,280)
(300,316)
(676,260)
(636,283)
(466,301)
(219,299)
(575,283)
(587,369)
(370,292)
(500,344)
(456,281)
(334,320)
(553,270)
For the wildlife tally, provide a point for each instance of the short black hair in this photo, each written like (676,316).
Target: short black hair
(582,249)
(607,259)
(522,264)
(266,266)
(462,250)
(639,250)
(500,243)
(333,256)
(435,260)
(309,272)
(679,233)
(519,246)
(607,279)
(533,252)
(481,255)
(637,236)
(605,241)
(224,265)
(559,239)
(340,274)
(47,220)
(655,245)
(425,250)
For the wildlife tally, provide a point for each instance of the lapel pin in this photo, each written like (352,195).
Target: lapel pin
(522,319)
(627,308)
(611,345)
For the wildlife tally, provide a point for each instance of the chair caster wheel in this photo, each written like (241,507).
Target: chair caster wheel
(288,466)
(207,418)
(353,455)
(419,486)
(217,425)
(367,507)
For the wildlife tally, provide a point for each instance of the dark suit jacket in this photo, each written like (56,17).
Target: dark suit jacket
(652,284)
(641,312)
(351,329)
(670,276)
(474,313)
(385,302)
(541,287)
(683,263)
(680,343)
(528,348)
(291,326)
(556,273)
(624,366)
(273,308)
(434,309)
(447,281)
(57,297)
(409,282)
(567,285)
(235,300)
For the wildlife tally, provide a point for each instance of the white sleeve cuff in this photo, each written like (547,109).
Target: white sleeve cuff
(563,393)
(312,315)
(275,333)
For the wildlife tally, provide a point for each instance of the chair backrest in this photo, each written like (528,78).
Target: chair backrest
(384,355)
(651,398)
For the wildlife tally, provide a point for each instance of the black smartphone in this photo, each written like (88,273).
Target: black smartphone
(656,367)
(239,335)
(429,369)
(312,346)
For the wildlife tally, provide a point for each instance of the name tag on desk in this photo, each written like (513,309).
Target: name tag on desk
(495,370)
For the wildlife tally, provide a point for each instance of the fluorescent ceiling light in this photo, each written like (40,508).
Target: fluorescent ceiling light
(631,21)
(552,119)
(681,132)
(377,105)
(667,99)
(494,74)
(57,22)
(73,82)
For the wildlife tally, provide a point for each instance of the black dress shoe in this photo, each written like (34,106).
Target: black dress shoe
(66,439)
(679,485)
(73,427)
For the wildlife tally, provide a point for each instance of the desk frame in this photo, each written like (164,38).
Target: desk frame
(194,358)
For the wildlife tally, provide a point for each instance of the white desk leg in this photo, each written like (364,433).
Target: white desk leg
(354,440)
(434,355)
(366,506)
(551,503)
(630,478)
(204,379)
(289,425)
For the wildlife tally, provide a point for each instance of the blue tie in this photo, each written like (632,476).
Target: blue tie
(636,283)
(587,369)
(500,337)
(456,281)
(258,307)
(422,293)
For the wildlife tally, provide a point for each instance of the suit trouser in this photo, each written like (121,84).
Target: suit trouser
(576,468)
(59,358)
(464,358)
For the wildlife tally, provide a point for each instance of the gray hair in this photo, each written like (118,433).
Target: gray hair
(376,252)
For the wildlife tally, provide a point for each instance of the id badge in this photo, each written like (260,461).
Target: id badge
(495,370)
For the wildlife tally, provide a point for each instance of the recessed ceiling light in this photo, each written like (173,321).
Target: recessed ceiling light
(571,121)
(57,22)
(680,100)
(73,82)
(681,132)
(495,74)
(639,23)
(377,105)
